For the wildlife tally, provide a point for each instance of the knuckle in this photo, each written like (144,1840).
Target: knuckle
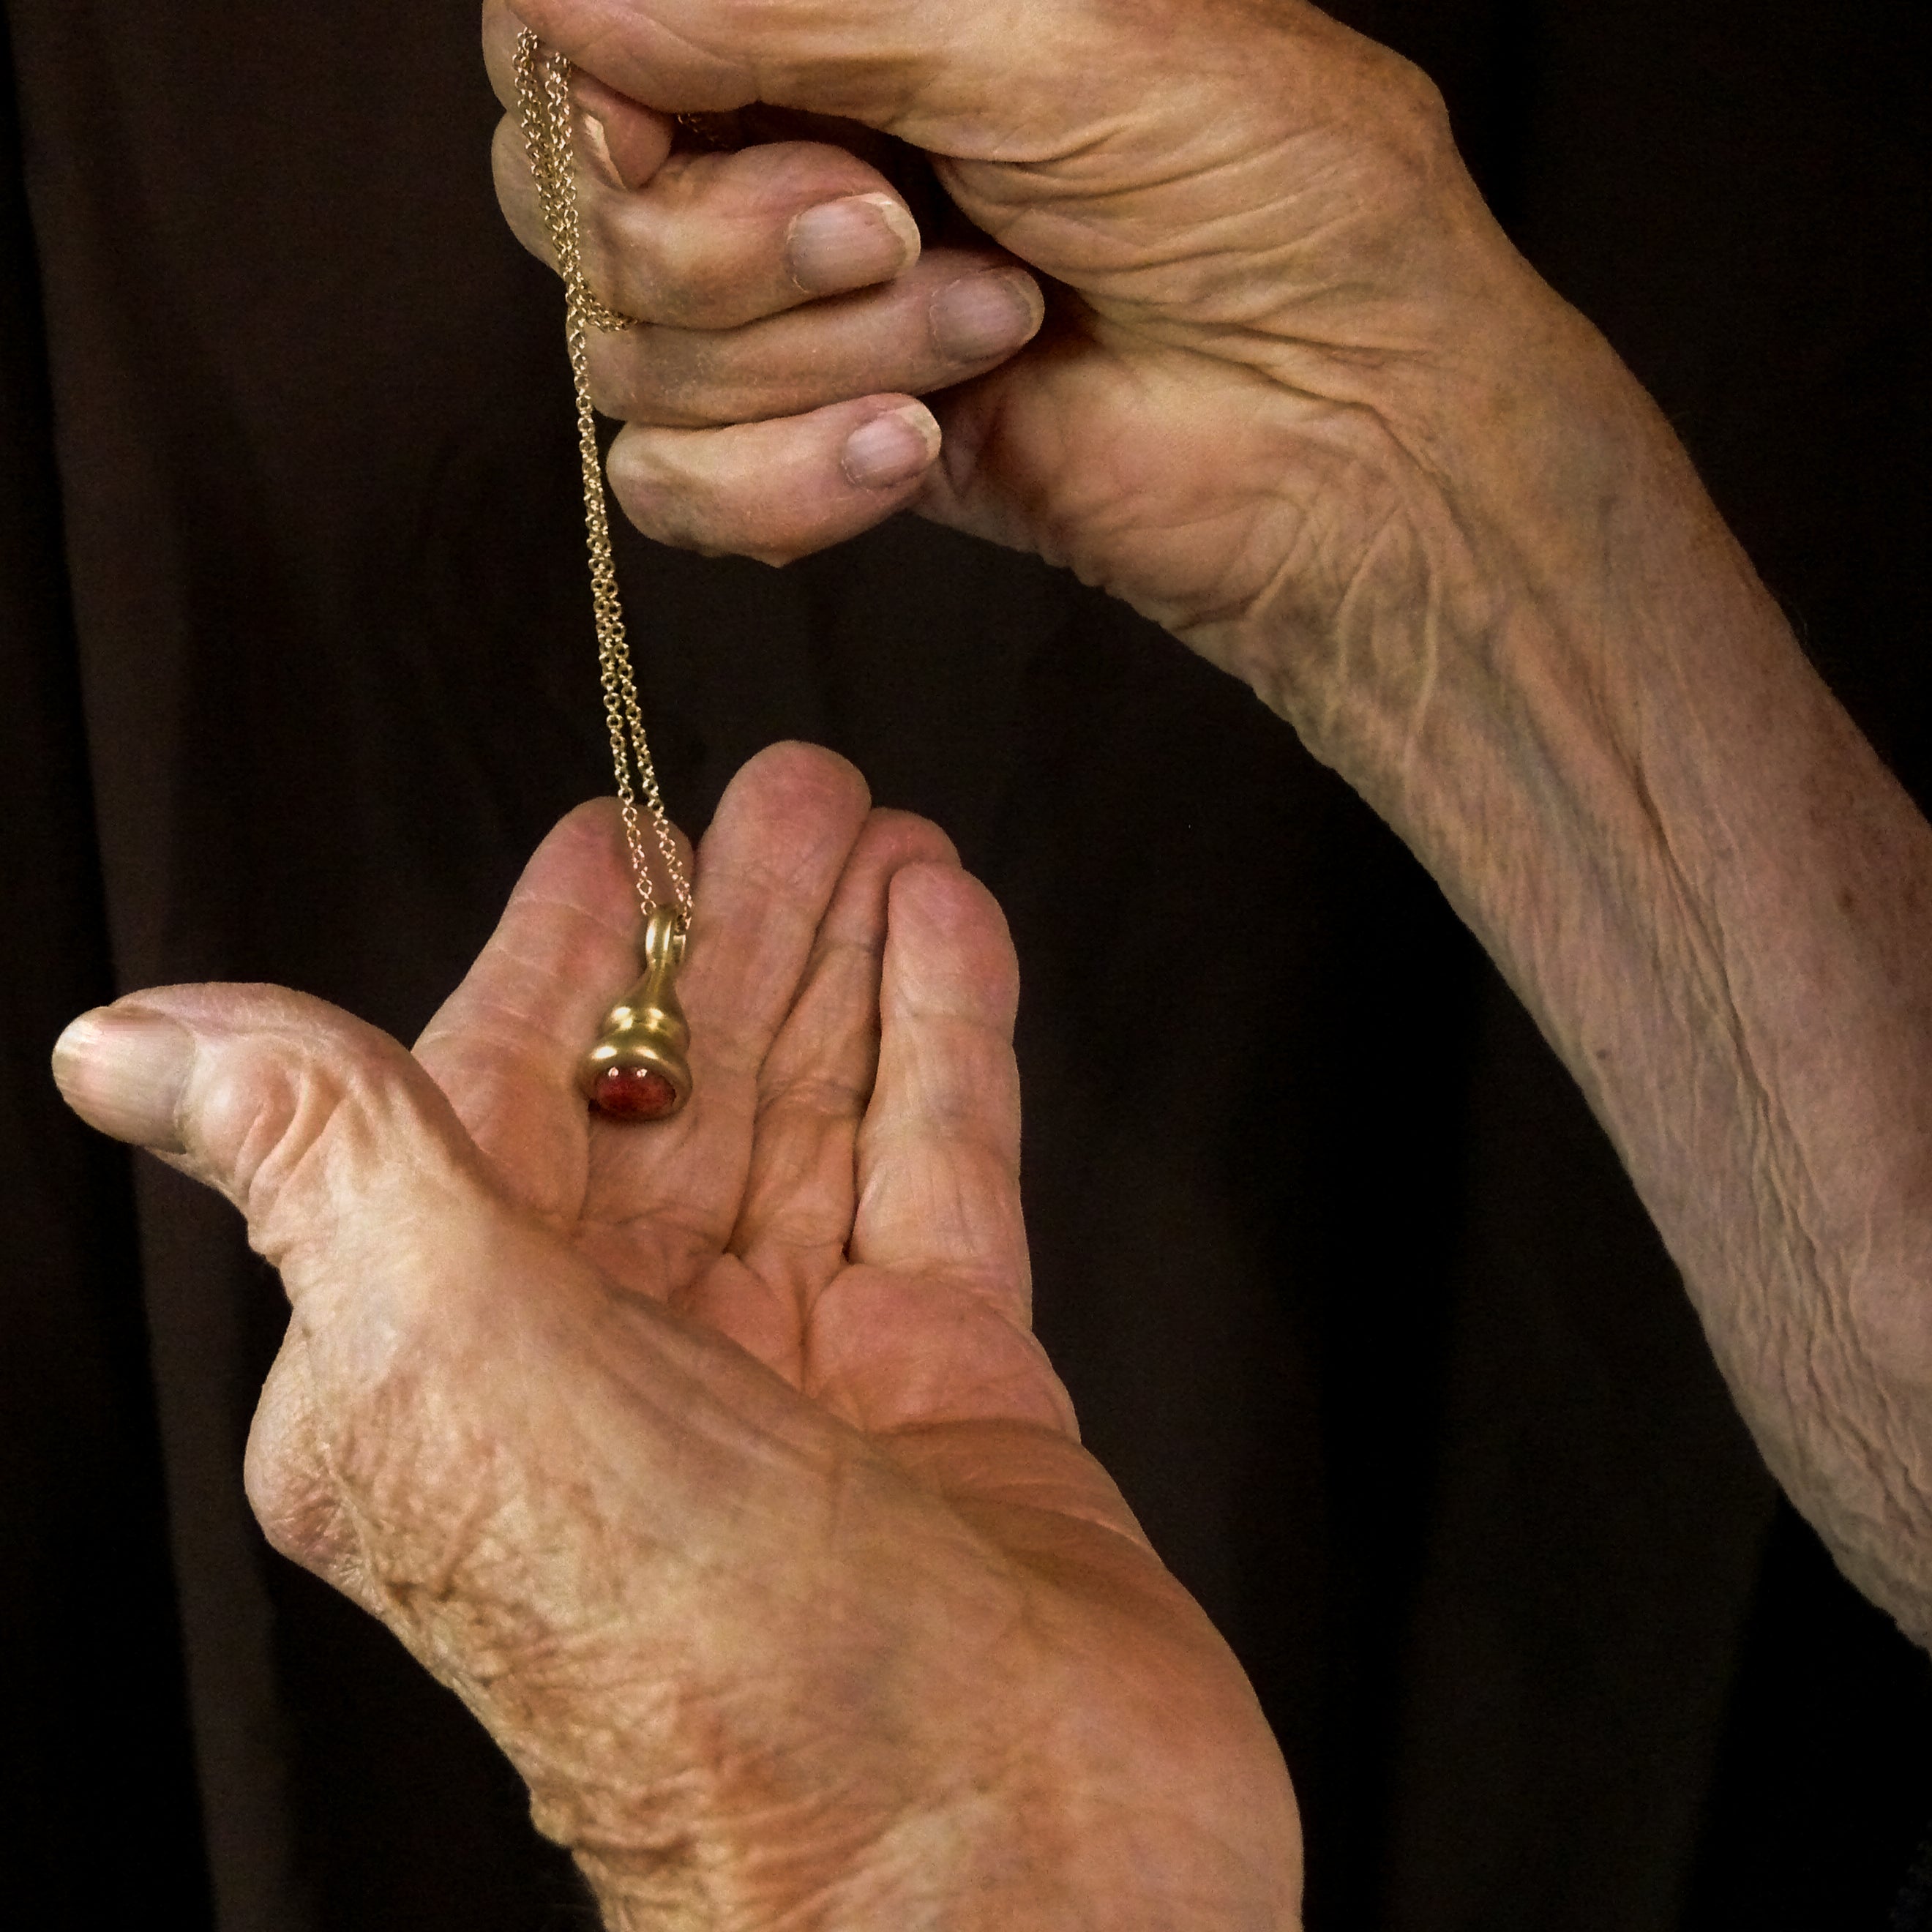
(665,270)
(1414,111)
(659,502)
(620,272)
(619,367)
(683,269)
(716,295)
(293,1503)
(285,1480)
(509,159)
(274,1110)
(663,378)
(516,191)
(674,498)
(702,489)
(686,290)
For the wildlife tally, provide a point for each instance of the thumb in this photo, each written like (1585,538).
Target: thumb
(324,1131)
(360,1186)
(925,70)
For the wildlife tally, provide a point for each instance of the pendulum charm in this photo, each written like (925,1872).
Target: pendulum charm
(637,1070)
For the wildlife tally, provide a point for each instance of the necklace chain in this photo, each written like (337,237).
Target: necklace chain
(547,115)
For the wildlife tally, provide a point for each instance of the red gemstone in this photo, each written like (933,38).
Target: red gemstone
(635,1094)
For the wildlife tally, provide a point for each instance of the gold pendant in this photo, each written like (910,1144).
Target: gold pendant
(637,1070)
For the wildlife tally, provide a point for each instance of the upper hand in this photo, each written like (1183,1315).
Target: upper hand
(714,1463)
(1279,322)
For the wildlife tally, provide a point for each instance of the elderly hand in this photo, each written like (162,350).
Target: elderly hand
(1281,319)
(714,1464)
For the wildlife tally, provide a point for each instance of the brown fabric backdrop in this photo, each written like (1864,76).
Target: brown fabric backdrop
(1368,1324)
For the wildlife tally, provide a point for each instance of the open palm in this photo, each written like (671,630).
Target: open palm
(713,1463)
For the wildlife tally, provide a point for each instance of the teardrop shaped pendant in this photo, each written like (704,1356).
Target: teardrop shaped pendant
(637,1070)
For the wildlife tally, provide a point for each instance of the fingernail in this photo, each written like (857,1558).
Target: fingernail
(849,244)
(892,447)
(124,1071)
(986,314)
(597,150)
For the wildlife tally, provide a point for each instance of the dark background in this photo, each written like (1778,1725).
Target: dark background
(296,671)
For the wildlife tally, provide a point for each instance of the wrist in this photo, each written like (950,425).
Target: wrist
(1514,555)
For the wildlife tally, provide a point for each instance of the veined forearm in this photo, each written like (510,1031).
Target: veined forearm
(1601,736)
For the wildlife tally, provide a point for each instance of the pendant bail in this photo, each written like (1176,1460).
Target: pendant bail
(638,1069)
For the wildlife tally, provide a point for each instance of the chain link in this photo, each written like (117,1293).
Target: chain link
(548,117)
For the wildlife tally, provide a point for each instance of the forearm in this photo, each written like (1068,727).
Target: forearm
(1601,736)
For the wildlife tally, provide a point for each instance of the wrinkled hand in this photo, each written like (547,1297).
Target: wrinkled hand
(714,1464)
(1282,327)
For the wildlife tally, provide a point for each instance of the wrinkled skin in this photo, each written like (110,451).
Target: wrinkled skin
(713,1463)
(1281,321)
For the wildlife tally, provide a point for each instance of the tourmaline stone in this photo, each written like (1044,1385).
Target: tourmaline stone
(635,1094)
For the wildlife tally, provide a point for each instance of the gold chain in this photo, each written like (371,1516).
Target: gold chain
(548,117)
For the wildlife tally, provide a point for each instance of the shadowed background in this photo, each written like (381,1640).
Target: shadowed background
(296,668)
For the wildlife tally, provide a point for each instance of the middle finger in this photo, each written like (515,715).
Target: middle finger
(958,313)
